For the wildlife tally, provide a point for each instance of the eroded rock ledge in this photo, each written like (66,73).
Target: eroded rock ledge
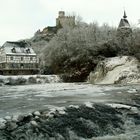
(116,70)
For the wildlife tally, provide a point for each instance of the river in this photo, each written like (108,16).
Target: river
(24,99)
(27,98)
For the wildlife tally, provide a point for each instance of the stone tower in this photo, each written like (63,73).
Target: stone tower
(124,28)
(63,20)
(124,35)
(61,14)
(124,22)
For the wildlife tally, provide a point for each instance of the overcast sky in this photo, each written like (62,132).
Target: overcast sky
(20,19)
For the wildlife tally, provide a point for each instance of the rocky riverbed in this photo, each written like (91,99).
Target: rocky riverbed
(71,123)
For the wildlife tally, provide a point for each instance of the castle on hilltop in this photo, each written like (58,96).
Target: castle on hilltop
(63,20)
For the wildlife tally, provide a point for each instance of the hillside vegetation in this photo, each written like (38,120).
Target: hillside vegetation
(75,52)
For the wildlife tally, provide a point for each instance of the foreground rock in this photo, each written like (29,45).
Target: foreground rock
(116,70)
(73,123)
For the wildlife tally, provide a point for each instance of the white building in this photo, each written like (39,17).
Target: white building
(18,58)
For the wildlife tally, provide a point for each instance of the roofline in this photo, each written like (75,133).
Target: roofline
(16,41)
(20,54)
(20,43)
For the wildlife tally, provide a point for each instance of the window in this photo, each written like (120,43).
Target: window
(28,50)
(21,58)
(31,65)
(14,65)
(11,58)
(31,58)
(21,66)
(3,65)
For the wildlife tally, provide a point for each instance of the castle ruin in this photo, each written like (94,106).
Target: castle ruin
(63,20)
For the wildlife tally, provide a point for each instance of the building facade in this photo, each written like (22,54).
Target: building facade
(17,58)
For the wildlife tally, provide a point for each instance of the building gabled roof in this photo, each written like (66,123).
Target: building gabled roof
(18,48)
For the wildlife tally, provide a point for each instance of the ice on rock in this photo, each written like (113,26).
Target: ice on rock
(2,123)
(89,104)
(37,113)
(34,123)
(8,118)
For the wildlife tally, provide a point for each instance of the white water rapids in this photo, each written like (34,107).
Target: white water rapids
(24,99)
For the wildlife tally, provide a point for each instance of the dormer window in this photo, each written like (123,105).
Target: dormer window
(28,51)
(13,50)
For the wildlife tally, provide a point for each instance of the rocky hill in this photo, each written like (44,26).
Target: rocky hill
(41,38)
(116,70)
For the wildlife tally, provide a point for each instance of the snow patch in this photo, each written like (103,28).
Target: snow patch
(132,91)
(119,106)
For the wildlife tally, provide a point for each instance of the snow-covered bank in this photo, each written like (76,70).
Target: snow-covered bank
(29,79)
(116,70)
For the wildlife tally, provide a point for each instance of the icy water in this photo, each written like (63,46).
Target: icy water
(28,98)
